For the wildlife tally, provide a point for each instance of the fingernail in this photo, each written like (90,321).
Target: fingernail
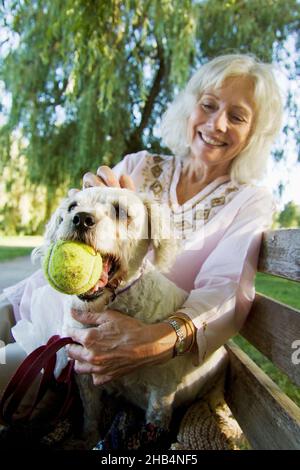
(101,174)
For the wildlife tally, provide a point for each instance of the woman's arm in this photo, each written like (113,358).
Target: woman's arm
(224,287)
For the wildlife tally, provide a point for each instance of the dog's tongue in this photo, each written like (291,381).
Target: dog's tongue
(104,277)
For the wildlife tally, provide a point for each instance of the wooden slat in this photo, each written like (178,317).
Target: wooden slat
(269,419)
(280,253)
(272,327)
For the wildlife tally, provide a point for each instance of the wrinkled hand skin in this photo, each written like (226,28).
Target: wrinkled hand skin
(117,344)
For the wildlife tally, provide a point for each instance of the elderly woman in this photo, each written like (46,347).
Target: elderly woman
(220,130)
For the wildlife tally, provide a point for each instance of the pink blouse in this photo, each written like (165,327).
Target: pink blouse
(220,229)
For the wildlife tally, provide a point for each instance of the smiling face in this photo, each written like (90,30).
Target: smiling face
(220,125)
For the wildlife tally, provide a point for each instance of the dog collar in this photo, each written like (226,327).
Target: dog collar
(124,289)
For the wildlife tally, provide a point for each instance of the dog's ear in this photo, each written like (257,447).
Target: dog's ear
(52,226)
(161,233)
(50,232)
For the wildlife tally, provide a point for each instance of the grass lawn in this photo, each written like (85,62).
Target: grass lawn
(10,252)
(287,292)
(12,247)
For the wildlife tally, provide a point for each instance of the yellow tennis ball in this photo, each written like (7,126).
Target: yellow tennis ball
(72,267)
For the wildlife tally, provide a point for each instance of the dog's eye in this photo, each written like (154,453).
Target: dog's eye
(60,219)
(72,206)
(120,212)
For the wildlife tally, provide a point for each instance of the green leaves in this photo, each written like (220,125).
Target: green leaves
(90,79)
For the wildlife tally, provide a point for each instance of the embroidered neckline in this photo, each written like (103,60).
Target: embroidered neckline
(161,176)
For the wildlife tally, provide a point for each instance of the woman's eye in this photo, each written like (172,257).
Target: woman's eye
(207,106)
(72,206)
(237,118)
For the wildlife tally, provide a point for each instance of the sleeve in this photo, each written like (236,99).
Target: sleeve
(20,294)
(224,287)
(129,163)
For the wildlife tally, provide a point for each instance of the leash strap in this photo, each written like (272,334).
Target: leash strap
(44,357)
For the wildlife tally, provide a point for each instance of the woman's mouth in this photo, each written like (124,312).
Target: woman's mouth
(210,140)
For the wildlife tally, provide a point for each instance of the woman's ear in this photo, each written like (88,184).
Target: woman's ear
(161,234)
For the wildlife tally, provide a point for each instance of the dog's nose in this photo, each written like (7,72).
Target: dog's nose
(83,220)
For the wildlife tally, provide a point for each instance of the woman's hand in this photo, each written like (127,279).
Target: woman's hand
(117,344)
(106,177)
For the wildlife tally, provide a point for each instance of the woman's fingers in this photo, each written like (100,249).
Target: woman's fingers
(89,180)
(127,182)
(107,175)
(86,317)
(72,192)
(79,353)
(101,379)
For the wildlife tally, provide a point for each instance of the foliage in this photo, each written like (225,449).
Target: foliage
(289,216)
(89,79)
(24,207)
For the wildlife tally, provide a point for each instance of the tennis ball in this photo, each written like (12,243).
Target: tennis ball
(72,267)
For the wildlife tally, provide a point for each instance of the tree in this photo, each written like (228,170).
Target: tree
(89,79)
(290,215)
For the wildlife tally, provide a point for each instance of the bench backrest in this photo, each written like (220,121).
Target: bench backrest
(269,419)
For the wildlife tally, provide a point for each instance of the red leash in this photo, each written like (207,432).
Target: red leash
(44,357)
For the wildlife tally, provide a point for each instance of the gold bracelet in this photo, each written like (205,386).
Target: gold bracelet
(177,321)
(188,324)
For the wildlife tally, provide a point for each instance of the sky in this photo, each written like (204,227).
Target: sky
(287,171)
(289,175)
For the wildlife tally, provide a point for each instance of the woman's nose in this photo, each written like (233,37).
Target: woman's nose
(218,121)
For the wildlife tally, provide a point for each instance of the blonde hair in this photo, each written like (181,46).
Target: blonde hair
(251,163)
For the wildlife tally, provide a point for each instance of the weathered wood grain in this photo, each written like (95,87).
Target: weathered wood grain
(280,253)
(269,419)
(273,328)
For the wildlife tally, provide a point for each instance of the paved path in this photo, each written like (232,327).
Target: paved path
(15,270)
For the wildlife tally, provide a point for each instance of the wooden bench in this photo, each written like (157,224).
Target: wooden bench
(269,419)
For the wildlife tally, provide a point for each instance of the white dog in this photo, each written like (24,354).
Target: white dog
(123,226)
